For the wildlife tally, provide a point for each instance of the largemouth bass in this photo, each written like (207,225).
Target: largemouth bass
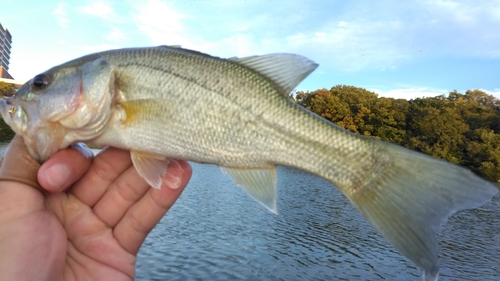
(166,103)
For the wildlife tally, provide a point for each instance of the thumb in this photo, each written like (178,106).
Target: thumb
(18,165)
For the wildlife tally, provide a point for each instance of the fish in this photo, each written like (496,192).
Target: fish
(165,103)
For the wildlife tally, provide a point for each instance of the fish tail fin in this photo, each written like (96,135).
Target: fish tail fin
(410,199)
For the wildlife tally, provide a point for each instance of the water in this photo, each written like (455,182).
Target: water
(215,232)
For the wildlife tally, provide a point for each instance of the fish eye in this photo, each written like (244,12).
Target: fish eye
(40,81)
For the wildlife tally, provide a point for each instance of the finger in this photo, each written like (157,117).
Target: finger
(123,193)
(18,165)
(106,167)
(65,167)
(148,211)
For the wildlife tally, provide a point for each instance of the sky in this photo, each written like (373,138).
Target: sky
(401,49)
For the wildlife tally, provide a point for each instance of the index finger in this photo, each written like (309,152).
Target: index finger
(106,167)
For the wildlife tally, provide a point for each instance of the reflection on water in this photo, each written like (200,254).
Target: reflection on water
(215,232)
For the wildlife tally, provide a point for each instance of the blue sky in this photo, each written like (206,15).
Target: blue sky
(396,48)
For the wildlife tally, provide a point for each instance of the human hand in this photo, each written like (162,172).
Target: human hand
(86,222)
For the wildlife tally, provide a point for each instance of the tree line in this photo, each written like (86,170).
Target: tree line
(6,134)
(6,89)
(462,128)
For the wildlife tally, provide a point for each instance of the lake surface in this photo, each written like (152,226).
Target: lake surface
(216,232)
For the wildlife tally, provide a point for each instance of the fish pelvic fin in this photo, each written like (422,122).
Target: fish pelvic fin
(409,199)
(285,70)
(153,169)
(260,184)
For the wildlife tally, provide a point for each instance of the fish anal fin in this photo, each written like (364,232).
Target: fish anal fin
(260,184)
(286,70)
(153,168)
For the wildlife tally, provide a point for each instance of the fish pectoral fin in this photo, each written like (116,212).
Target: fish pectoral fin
(260,184)
(153,168)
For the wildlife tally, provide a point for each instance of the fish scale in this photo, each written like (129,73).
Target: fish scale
(165,103)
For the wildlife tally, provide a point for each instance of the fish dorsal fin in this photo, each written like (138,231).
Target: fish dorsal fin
(179,49)
(172,46)
(286,70)
(260,184)
(152,167)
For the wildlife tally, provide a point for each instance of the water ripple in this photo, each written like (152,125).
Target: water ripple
(215,232)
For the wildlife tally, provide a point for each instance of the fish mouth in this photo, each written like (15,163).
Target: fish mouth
(36,137)
(14,115)
(7,109)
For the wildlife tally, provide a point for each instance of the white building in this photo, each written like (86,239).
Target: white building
(5,46)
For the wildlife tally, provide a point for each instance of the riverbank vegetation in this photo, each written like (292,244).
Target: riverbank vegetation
(463,128)
(6,134)
(6,89)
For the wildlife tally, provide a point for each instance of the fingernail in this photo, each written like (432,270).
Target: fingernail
(173,176)
(57,175)
(172,181)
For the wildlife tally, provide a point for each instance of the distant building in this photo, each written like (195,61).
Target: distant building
(5,46)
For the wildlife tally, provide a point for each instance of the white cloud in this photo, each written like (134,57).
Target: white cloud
(463,28)
(349,36)
(60,12)
(362,36)
(115,34)
(161,23)
(99,47)
(494,92)
(351,46)
(367,35)
(100,9)
(465,11)
(410,93)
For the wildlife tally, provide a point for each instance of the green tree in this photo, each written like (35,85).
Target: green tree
(388,119)
(328,106)
(436,128)
(483,154)
(6,89)
(6,133)
(359,102)
(477,108)
(461,128)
